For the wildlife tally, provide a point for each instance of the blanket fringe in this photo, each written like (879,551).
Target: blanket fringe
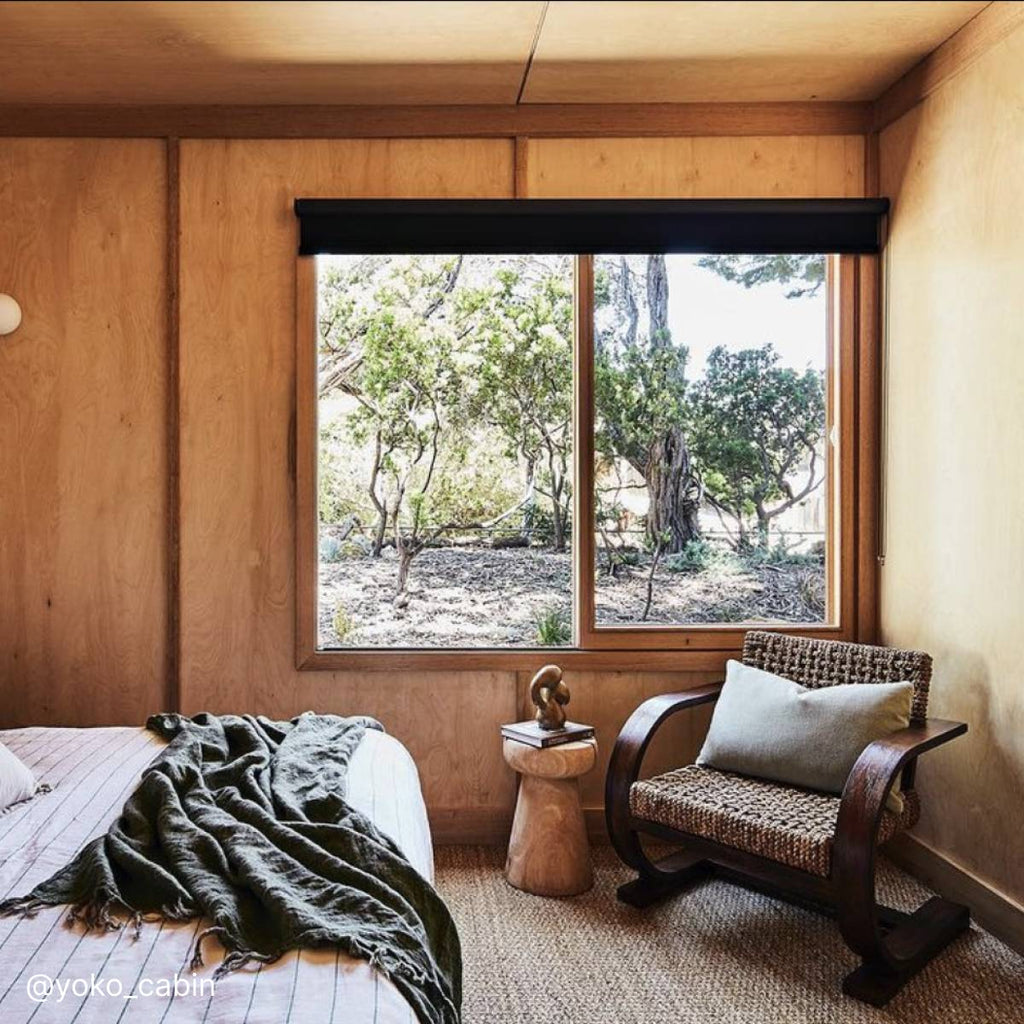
(197,952)
(238,958)
(25,906)
(98,914)
(235,958)
(41,788)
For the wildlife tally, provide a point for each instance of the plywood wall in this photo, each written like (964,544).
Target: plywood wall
(953,580)
(82,431)
(794,166)
(237,299)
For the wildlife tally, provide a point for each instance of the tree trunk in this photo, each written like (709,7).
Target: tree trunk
(557,525)
(381,506)
(380,532)
(672,520)
(743,544)
(557,512)
(405,557)
(657,299)
(763,528)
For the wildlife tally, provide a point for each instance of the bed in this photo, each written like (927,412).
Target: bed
(110,977)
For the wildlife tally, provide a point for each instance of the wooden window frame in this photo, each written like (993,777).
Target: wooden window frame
(852,382)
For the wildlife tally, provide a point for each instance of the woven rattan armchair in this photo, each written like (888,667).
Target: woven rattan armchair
(811,848)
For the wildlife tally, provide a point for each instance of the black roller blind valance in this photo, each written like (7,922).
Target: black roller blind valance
(589,225)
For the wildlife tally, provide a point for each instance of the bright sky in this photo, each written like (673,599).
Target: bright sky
(705,310)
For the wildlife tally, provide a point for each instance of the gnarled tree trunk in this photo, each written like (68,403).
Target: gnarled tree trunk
(674,498)
(673,501)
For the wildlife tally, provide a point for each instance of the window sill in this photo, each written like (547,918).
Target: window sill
(633,650)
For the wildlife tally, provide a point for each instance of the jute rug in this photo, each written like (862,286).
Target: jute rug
(717,954)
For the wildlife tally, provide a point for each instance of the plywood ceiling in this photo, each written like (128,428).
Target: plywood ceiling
(463,52)
(742,52)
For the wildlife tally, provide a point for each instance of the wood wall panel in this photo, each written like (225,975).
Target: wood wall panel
(687,168)
(82,439)
(953,579)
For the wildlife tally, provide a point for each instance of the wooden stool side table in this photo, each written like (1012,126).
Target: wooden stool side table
(548,852)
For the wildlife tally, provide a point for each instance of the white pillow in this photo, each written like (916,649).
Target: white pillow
(773,728)
(16,780)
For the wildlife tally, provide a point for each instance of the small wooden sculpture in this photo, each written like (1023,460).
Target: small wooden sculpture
(550,695)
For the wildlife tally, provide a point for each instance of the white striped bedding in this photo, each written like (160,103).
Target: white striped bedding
(92,771)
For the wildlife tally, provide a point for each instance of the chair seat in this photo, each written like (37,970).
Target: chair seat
(785,824)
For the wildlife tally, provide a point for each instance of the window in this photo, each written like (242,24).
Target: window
(500,453)
(711,446)
(445,450)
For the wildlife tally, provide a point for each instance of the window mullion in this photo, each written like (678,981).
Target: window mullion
(583,453)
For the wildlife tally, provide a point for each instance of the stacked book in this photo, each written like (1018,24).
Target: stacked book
(533,735)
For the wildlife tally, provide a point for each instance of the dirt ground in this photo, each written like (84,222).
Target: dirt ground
(481,597)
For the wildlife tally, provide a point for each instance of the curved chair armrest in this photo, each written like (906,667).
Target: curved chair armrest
(860,814)
(627,757)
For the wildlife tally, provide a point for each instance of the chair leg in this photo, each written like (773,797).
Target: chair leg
(906,949)
(657,880)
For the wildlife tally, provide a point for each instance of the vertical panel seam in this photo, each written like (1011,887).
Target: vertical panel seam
(173,425)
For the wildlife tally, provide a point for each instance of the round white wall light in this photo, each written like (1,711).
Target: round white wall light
(10,315)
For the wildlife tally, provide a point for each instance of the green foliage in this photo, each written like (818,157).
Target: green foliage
(343,624)
(695,557)
(449,391)
(340,491)
(782,557)
(520,331)
(447,376)
(757,423)
(554,628)
(333,550)
(540,523)
(639,393)
(387,343)
(639,376)
(472,486)
(807,270)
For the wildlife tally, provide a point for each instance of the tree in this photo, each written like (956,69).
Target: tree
(756,425)
(410,389)
(807,270)
(520,331)
(641,398)
(387,341)
(362,306)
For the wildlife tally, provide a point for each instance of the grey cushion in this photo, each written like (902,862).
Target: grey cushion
(773,728)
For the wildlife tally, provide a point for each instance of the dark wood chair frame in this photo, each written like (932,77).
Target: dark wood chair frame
(893,945)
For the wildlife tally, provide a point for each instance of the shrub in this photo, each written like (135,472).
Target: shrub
(331,549)
(542,524)
(554,628)
(780,555)
(342,622)
(696,556)
(334,550)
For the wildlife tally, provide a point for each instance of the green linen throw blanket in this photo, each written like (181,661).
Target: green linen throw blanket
(243,821)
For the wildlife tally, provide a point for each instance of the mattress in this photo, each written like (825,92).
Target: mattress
(52,972)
